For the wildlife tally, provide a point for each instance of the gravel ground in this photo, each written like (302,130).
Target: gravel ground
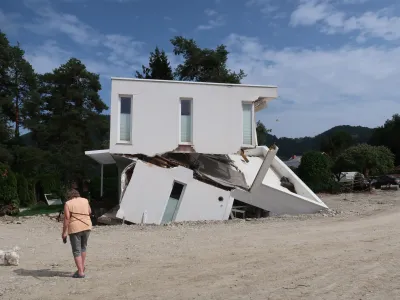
(351,251)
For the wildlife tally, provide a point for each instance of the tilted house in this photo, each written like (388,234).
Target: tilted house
(187,151)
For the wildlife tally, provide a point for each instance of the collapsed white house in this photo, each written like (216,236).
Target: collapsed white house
(187,151)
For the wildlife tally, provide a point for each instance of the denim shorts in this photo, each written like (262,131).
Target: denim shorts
(79,242)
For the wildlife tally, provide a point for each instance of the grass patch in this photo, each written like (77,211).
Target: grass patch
(41,209)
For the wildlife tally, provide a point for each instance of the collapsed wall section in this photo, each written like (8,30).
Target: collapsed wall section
(148,193)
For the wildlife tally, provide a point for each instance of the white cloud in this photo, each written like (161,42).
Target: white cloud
(215,20)
(321,88)
(46,57)
(210,12)
(166,18)
(377,24)
(121,54)
(310,12)
(266,6)
(354,1)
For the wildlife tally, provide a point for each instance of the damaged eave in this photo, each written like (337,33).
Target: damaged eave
(262,103)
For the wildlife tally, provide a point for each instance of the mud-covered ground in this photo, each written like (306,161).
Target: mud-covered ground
(350,252)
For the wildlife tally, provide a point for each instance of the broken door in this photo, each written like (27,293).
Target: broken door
(173,201)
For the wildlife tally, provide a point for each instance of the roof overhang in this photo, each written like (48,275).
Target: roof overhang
(103,157)
(262,102)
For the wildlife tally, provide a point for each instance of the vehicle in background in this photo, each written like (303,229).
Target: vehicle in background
(354,181)
(386,180)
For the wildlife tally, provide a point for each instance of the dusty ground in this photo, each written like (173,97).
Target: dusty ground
(353,255)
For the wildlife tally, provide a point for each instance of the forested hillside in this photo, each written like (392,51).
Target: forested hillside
(298,146)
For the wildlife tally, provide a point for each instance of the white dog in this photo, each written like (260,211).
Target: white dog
(10,257)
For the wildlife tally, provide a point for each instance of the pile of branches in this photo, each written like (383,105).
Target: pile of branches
(8,210)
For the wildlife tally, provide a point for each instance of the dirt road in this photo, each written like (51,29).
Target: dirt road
(354,255)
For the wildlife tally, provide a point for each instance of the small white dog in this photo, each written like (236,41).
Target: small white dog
(10,257)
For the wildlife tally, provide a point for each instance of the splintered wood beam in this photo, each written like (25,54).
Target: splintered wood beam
(244,155)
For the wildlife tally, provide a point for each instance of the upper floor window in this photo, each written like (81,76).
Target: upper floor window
(125,119)
(247,123)
(186,121)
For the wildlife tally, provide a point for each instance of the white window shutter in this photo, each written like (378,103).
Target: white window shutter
(247,124)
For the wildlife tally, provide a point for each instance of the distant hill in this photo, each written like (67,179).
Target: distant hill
(298,146)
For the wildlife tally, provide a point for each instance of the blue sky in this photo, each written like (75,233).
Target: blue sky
(334,61)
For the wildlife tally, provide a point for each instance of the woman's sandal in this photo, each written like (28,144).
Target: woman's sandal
(76,274)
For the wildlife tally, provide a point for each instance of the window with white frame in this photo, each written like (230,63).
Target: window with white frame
(247,123)
(186,121)
(125,119)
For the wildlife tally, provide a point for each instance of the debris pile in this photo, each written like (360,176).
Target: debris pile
(9,210)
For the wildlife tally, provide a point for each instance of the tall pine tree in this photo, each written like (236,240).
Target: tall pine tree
(203,64)
(18,82)
(159,67)
(62,119)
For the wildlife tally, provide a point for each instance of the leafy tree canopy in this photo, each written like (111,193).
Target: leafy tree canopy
(17,82)
(366,159)
(336,143)
(63,118)
(315,171)
(159,67)
(388,135)
(262,134)
(203,64)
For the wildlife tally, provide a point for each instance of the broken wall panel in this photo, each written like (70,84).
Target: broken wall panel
(148,192)
(203,202)
(277,201)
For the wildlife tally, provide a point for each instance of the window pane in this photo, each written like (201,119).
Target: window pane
(125,119)
(186,121)
(247,124)
(186,107)
(126,105)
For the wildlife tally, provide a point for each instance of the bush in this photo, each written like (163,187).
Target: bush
(315,171)
(24,194)
(8,186)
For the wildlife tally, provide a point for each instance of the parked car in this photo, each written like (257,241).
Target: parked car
(386,180)
(354,181)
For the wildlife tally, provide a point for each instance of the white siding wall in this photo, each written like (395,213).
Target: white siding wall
(149,190)
(217,115)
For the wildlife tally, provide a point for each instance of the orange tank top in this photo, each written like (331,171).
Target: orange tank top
(79,215)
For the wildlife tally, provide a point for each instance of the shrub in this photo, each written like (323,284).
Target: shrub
(315,171)
(24,194)
(8,186)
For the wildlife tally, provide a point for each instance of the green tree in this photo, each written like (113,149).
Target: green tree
(203,64)
(18,82)
(8,186)
(159,67)
(315,171)
(63,118)
(366,159)
(388,135)
(336,143)
(262,134)
(24,196)
(5,134)
(5,64)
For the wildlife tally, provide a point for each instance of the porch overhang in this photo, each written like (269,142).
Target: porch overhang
(103,157)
